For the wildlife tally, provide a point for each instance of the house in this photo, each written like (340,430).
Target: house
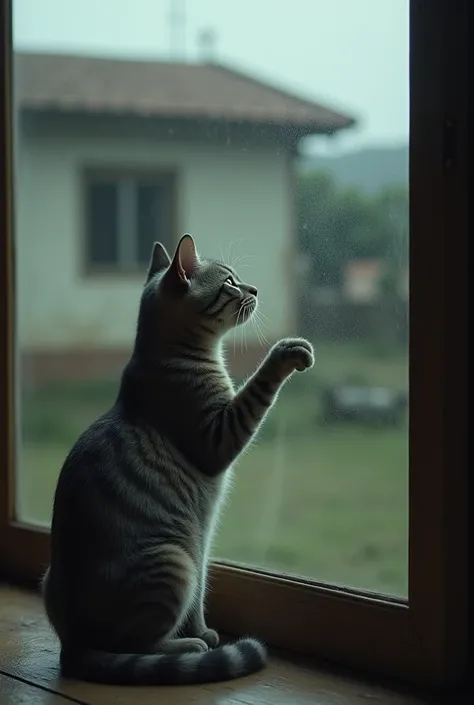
(112,155)
(363,281)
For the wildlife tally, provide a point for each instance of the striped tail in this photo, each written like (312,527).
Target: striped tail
(226,662)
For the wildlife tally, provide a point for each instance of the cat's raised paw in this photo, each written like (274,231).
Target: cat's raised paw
(293,354)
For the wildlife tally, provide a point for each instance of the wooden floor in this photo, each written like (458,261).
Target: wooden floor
(29,674)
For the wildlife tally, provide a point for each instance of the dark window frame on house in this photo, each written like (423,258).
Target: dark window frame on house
(424,639)
(122,245)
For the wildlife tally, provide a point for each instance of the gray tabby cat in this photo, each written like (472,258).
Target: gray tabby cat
(138,496)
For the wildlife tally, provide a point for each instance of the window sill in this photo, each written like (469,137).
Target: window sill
(29,673)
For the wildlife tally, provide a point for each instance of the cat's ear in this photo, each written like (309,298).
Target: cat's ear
(160,260)
(185,259)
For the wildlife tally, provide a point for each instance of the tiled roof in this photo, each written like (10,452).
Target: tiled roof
(161,89)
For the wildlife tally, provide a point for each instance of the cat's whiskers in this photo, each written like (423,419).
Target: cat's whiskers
(239,311)
(242,310)
(227,258)
(257,332)
(230,258)
(249,305)
(221,253)
(258,324)
(262,314)
(236,262)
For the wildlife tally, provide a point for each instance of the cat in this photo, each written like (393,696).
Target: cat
(138,496)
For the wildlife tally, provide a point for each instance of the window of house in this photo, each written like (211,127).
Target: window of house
(332,174)
(124,215)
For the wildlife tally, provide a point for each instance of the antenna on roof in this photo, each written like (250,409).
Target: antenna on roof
(177,27)
(207,45)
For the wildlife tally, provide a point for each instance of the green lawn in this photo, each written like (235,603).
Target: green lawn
(328,503)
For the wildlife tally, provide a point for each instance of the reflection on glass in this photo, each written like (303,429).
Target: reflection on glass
(308,200)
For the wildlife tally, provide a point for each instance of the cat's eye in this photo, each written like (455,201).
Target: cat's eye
(230,280)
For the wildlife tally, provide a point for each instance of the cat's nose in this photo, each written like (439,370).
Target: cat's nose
(253,290)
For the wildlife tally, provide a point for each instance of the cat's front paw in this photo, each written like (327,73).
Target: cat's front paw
(292,354)
(211,637)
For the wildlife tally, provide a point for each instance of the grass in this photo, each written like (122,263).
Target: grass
(329,503)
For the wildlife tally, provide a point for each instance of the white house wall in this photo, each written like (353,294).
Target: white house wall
(234,202)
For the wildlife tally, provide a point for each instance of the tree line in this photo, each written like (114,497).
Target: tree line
(338,224)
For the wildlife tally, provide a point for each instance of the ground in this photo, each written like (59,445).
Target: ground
(326,502)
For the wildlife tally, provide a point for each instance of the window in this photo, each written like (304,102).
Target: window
(399,610)
(124,215)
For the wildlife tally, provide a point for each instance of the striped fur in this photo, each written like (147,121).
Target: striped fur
(138,496)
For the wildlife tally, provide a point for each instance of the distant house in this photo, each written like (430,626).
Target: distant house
(362,281)
(359,308)
(112,155)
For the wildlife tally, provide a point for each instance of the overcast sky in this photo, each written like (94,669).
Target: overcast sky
(348,54)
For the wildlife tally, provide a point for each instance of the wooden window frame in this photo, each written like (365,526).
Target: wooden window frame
(425,640)
(167,177)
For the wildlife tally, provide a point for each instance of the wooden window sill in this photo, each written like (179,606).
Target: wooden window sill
(29,673)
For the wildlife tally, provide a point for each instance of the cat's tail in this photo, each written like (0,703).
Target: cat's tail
(226,662)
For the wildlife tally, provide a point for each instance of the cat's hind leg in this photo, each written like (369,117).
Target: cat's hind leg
(160,589)
(195,623)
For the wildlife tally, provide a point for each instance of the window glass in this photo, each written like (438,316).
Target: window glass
(286,129)
(102,225)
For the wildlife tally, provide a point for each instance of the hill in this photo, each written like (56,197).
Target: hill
(370,169)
